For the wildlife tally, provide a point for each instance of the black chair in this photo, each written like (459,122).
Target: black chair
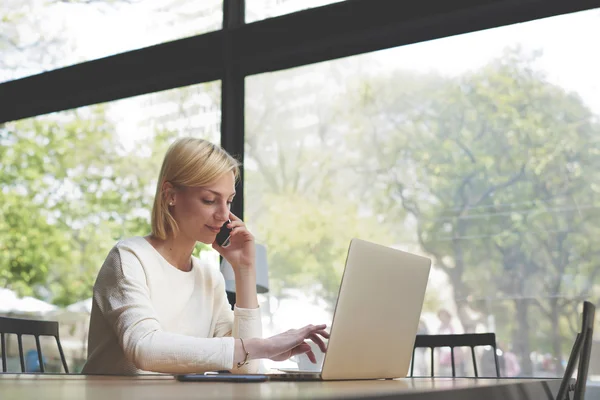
(34,328)
(582,349)
(471,340)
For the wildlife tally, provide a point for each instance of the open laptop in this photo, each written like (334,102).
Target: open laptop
(376,317)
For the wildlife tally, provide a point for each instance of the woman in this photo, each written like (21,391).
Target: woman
(156,308)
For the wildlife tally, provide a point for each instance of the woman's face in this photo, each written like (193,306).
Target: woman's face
(201,211)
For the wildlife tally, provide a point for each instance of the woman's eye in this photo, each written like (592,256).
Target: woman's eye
(208,202)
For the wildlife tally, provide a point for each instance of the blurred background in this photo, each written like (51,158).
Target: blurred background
(480,151)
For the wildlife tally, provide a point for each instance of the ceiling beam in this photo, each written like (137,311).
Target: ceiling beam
(314,35)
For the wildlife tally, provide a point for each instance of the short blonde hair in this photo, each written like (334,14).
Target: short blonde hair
(188,162)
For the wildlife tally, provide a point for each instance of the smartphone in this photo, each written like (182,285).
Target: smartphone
(221,378)
(224,235)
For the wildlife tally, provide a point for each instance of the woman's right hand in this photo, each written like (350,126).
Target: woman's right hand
(290,343)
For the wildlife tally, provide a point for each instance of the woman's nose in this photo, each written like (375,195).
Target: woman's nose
(223,212)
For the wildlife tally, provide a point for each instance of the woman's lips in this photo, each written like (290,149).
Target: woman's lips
(214,229)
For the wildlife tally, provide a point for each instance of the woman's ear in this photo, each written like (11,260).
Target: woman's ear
(168,191)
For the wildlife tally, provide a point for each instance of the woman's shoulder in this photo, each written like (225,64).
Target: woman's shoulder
(133,243)
(122,261)
(129,251)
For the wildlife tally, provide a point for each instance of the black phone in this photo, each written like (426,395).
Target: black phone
(224,235)
(221,378)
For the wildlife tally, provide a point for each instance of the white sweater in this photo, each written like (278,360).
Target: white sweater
(147,315)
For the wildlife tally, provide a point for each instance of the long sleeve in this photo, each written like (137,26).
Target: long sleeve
(124,300)
(242,323)
(148,316)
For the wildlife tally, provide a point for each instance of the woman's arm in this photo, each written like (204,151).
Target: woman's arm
(242,323)
(245,287)
(123,298)
(241,255)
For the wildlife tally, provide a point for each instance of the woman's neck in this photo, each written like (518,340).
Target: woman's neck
(177,252)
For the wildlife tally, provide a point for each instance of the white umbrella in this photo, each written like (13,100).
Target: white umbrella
(31,304)
(83,306)
(9,302)
(8,299)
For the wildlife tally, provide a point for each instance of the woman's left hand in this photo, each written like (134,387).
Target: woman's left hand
(240,252)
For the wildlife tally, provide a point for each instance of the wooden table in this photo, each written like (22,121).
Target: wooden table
(46,386)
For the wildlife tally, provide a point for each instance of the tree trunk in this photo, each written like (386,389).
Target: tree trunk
(521,342)
(461,306)
(556,339)
(460,290)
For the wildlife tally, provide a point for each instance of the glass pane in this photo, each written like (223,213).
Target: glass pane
(42,35)
(478,151)
(257,10)
(75,182)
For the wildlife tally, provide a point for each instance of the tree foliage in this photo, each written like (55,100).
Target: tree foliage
(496,167)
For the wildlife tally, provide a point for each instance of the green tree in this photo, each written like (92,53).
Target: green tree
(307,242)
(495,167)
(68,195)
(301,197)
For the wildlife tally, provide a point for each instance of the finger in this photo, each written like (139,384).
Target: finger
(242,233)
(304,348)
(236,224)
(237,230)
(233,217)
(323,333)
(316,339)
(218,248)
(308,329)
(300,349)
(319,342)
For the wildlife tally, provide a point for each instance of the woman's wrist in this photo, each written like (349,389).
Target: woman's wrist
(245,278)
(242,272)
(259,347)
(256,348)
(245,289)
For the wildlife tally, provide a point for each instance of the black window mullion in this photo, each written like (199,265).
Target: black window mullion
(319,34)
(232,103)
(232,96)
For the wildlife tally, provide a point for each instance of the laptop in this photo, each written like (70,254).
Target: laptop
(376,316)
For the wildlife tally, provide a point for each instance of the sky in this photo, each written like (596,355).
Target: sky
(569,45)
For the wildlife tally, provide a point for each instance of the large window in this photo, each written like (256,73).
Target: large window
(75,182)
(475,150)
(478,151)
(37,35)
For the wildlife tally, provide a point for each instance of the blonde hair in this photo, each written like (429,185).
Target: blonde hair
(188,162)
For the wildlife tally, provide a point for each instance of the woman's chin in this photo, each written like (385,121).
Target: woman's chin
(206,240)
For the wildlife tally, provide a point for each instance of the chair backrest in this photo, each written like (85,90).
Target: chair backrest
(34,328)
(582,349)
(471,340)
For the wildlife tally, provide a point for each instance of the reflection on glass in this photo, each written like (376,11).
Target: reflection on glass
(75,182)
(476,150)
(43,35)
